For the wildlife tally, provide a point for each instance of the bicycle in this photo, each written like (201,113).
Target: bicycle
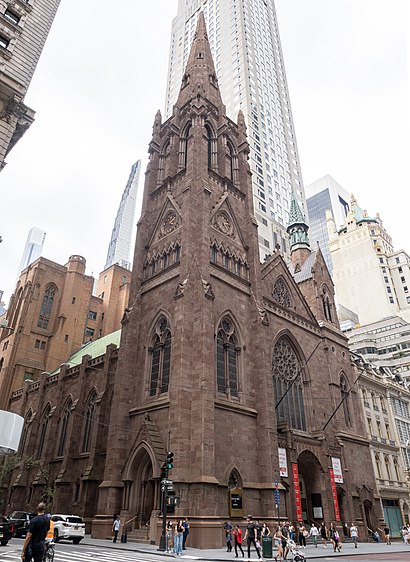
(49,552)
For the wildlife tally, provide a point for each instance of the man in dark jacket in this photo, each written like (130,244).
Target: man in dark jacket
(34,545)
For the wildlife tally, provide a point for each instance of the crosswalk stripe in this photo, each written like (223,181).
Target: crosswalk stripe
(109,555)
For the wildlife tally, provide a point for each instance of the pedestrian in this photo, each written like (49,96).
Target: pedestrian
(185,533)
(116,527)
(323,534)
(336,540)
(302,536)
(278,538)
(250,536)
(265,530)
(285,535)
(387,535)
(405,534)
(168,536)
(178,537)
(34,544)
(354,533)
(228,535)
(292,532)
(314,531)
(237,535)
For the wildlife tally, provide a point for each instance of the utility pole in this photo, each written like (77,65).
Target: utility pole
(165,482)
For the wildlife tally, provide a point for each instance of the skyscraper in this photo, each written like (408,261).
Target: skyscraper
(246,48)
(33,248)
(24,28)
(325,195)
(120,244)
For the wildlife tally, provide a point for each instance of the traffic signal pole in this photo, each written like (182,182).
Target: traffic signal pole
(164,489)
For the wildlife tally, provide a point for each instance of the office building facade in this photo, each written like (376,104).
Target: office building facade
(119,249)
(246,48)
(24,27)
(324,195)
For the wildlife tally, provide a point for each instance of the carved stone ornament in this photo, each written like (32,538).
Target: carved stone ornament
(169,223)
(281,293)
(223,223)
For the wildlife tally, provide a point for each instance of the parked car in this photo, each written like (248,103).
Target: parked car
(6,530)
(21,519)
(70,527)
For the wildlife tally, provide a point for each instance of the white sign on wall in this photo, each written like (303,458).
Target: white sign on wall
(283,462)
(337,470)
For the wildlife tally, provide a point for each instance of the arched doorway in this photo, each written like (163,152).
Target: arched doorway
(341,498)
(144,490)
(311,487)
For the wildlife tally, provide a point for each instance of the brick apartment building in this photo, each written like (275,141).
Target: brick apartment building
(238,367)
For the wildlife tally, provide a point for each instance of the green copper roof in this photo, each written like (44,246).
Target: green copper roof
(295,214)
(297,227)
(93,348)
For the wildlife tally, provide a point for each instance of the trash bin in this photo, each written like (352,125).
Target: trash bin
(267,547)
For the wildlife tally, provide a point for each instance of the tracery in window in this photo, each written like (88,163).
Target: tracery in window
(26,427)
(227,358)
(327,307)
(160,358)
(281,293)
(45,418)
(287,383)
(231,163)
(163,167)
(47,306)
(64,427)
(184,146)
(89,422)
(344,392)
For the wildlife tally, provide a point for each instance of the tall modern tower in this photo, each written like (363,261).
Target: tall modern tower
(120,245)
(33,248)
(24,28)
(246,48)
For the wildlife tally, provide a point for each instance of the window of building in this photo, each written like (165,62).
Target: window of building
(397,260)
(73,300)
(4,42)
(40,344)
(281,293)
(344,391)
(369,426)
(45,418)
(5,345)
(388,431)
(92,315)
(46,307)
(160,358)
(379,428)
(11,16)
(287,385)
(89,332)
(66,338)
(378,466)
(387,465)
(391,300)
(24,433)
(64,427)
(227,358)
(327,307)
(89,422)
(396,469)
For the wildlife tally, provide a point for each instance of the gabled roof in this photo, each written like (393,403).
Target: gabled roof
(305,271)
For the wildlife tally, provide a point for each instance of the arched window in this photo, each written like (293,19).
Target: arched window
(209,137)
(45,418)
(24,433)
(287,383)
(344,391)
(281,293)
(64,427)
(396,469)
(46,307)
(235,480)
(378,466)
(163,169)
(160,358)
(387,465)
(229,160)
(184,147)
(227,358)
(327,307)
(89,422)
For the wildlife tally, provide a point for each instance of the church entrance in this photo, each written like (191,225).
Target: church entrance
(311,487)
(144,491)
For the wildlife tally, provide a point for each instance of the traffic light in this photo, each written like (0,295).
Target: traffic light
(170,460)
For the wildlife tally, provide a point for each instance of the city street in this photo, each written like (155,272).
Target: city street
(106,551)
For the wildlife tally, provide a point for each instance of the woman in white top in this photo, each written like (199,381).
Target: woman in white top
(354,533)
(314,531)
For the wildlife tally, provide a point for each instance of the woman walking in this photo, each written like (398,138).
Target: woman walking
(237,535)
(323,534)
(302,536)
(277,537)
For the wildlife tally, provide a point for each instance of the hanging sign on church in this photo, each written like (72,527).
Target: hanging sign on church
(296,486)
(337,470)
(235,502)
(283,462)
(334,495)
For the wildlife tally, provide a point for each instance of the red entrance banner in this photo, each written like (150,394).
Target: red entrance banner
(334,494)
(296,485)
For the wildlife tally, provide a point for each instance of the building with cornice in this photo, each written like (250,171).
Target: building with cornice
(249,65)
(24,28)
(239,368)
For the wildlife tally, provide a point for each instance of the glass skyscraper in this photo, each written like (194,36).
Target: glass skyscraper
(245,44)
(33,247)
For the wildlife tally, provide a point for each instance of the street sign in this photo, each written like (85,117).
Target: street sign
(170,487)
(165,481)
(276,493)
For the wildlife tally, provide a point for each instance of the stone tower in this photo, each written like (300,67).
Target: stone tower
(212,341)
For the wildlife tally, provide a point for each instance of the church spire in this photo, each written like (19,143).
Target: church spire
(298,232)
(200,76)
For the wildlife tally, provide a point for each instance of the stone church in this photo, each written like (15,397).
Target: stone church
(238,367)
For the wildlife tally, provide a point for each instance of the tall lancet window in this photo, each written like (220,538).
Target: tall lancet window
(164,158)
(47,306)
(89,421)
(227,358)
(160,352)
(65,420)
(185,146)
(344,394)
(327,307)
(288,384)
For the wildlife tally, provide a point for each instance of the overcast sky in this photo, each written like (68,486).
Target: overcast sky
(102,77)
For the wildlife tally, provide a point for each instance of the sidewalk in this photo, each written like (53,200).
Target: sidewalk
(220,554)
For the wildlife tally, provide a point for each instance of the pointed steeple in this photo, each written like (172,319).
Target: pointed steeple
(298,232)
(200,76)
